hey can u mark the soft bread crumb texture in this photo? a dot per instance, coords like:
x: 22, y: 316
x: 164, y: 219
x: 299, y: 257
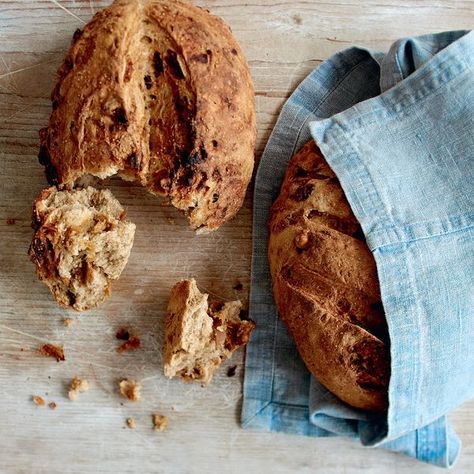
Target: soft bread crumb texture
x: 81, y: 243
x: 131, y: 423
x: 130, y: 389
x: 199, y: 336
x: 77, y: 386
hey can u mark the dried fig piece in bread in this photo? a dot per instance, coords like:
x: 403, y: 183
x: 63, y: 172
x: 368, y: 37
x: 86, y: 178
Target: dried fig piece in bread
x: 199, y: 336
x: 159, y: 93
x: 325, y: 284
x: 81, y: 243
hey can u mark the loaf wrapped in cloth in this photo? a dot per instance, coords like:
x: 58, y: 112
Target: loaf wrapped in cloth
x: 397, y: 130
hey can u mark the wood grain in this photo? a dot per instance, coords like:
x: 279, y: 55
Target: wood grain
x: 283, y: 40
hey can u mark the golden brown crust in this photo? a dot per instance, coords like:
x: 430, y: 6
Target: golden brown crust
x: 325, y: 283
x: 159, y: 92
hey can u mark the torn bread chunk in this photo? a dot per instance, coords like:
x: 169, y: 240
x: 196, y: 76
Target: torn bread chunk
x: 199, y: 336
x: 81, y: 243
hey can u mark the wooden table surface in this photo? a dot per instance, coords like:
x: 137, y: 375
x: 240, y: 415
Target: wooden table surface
x: 283, y: 41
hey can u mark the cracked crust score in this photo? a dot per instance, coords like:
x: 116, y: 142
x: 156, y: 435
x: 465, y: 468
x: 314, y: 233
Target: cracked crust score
x: 160, y: 93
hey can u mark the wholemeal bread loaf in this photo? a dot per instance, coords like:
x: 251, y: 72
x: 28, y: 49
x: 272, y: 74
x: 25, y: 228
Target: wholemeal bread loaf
x: 159, y: 93
x: 81, y: 243
x: 325, y: 284
x: 199, y: 336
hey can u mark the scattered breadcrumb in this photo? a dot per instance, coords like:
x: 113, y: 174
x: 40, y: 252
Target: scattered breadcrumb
x: 52, y: 405
x: 50, y: 350
x: 77, y: 386
x: 238, y: 286
x: 131, y: 423
x: 11, y: 221
x: 68, y: 322
x: 231, y: 371
x: 130, y: 345
x: 130, y: 389
x: 37, y: 400
x: 160, y: 422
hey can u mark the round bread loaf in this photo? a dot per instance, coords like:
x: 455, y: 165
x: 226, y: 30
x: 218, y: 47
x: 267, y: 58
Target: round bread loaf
x: 325, y: 284
x: 159, y: 93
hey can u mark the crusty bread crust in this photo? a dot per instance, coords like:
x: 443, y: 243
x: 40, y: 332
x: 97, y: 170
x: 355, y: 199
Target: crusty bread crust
x: 325, y: 283
x: 160, y: 93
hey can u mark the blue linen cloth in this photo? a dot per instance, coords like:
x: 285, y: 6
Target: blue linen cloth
x: 397, y: 129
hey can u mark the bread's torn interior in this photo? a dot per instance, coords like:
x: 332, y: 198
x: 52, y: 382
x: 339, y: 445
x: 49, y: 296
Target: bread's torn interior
x: 81, y: 242
x: 199, y: 336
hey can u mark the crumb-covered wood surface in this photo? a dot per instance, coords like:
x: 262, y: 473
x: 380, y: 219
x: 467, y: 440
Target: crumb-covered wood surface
x: 283, y: 42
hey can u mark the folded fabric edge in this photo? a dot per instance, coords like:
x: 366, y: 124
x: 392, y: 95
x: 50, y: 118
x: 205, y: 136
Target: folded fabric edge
x: 274, y: 416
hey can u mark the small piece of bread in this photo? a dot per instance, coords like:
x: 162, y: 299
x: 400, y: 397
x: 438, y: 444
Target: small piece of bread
x: 131, y: 423
x: 77, y: 386
x: 130, y: 389
x: 37, y: 400
x: 199, y: 336
x: 160, y: 422
x: 81, y: 242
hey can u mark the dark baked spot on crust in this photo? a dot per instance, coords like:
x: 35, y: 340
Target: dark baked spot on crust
x: 38, y: 250
x: 215, y: 143
x: 51, y: 175
x: 158, y: 66
x: 303, y: 192
x: 215, y: 197
x: 148, y: 82
x: 134, y: 161
x: 120, y: 116
x: 234, y: 51
x: 370, y: 361
x: 77, y: 34
x: 171, y: 60
x: 200, y: 58
x: 128, y: 72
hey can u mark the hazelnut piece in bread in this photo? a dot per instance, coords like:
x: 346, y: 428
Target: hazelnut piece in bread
x: 325, y: 284
x: 158, y: 92
x: 199, y: 336
x: 81, y: 243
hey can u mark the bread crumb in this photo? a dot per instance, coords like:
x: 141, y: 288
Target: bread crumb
x: 37, y: 400
x: 130, y: 345
x: 68, y: 322
x: 77, y: 386
x: 131, y: 423
x: 238, y: 286
x: 160, y: 422
x: 52, y: 405
x: 130, y: 389
x: 50, y: 350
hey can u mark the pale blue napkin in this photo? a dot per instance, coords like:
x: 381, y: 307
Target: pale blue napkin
x: 398, y: 130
